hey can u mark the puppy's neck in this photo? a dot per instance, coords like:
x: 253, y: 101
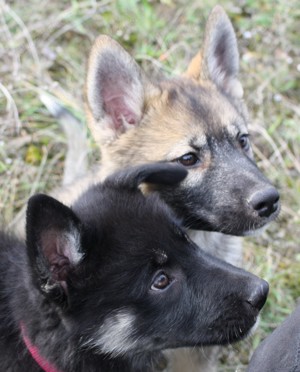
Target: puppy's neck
x: 35, y: 353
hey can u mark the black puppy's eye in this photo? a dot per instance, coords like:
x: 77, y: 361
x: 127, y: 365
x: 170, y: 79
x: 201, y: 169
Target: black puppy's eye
x: 188, y: 159
x: 161, y: 281
x: 244, y: 141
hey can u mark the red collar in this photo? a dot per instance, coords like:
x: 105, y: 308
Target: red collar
x: 34, y: 351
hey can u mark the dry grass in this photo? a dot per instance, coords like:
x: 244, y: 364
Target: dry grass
x: 44, y: 46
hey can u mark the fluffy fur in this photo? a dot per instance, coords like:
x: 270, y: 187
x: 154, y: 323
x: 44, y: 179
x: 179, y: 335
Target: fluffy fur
x: 106, y: 285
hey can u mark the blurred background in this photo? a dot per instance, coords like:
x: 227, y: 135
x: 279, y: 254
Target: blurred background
x: 44, y: 47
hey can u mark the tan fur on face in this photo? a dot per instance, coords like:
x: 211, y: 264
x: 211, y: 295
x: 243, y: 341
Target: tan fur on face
x: 183, y: 112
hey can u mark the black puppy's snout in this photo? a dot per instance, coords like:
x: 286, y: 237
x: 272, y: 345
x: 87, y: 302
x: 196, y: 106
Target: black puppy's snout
x: 259, y: 294
x: 265, y: 202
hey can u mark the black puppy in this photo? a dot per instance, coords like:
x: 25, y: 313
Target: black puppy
x: 106, y: 285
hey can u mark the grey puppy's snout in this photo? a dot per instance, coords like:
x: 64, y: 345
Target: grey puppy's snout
x: 265, y: 202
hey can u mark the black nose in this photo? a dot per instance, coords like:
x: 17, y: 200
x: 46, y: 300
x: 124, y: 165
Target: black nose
x: 258, y: 296
x: 265, y: 202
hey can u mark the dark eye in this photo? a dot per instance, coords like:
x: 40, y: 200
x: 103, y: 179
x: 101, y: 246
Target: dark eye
x: 188, y: 159
x: 244, y: 141
x: 161, y: 281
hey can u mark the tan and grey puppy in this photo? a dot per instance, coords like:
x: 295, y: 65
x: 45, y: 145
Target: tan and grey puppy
x: 199, y: 120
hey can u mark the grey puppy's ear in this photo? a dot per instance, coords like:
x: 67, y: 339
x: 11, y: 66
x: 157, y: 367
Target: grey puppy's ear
x: 218, y: 60
x: 114, y: 90
x: 166, y: 174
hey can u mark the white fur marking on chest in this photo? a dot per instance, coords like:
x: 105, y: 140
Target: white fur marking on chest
x: 114, y: 335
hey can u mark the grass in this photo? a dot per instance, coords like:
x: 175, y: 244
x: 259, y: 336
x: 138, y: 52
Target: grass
x: 44, y: 46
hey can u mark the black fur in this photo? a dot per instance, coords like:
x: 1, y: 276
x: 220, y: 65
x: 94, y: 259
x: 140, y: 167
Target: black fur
x: 85, y: 287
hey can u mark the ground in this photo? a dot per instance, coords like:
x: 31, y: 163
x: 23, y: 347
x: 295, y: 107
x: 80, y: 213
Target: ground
x: 44, y: 47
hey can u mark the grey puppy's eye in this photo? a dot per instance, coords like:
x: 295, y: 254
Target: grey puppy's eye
x: 188, y: 159
x: 244, y: 141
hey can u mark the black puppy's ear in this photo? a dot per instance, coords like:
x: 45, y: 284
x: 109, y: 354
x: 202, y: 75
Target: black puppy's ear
x: 167, y: 174
x: 53, y: 235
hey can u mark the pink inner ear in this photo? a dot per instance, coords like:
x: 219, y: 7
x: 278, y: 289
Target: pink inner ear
x: 115, y: 106
x: 59, y: 268
x: 59, y: 263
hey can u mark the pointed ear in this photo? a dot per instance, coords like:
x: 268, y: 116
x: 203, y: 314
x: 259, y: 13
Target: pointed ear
x: 53, y: 236
x: 114, y: 90
x: 218, y: 60
x: 167, y: 174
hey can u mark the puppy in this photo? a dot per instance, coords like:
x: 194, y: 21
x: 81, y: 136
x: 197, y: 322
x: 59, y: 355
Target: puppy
x: 111, y: 282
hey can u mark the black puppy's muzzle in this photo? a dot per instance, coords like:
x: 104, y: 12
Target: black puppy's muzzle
x: 258, y: 294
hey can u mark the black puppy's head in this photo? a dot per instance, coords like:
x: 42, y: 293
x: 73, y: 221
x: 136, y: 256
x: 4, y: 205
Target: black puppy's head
x: 125, y: 276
